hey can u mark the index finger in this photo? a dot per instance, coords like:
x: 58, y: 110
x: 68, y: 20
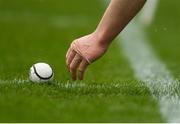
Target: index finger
x: 82, y: 69
x: 74, y: 65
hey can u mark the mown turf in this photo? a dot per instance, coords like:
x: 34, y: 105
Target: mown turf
x: 164, y: 34
x: 41, y: 31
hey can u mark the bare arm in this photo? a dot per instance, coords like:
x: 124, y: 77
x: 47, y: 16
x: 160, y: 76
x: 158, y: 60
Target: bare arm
x: 89, y: 48
x: 117, y: 16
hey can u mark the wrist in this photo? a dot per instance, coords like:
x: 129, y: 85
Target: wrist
x: 101, y: 38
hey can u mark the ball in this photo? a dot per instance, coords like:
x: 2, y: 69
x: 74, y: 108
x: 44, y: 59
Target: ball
x: 41, y: 73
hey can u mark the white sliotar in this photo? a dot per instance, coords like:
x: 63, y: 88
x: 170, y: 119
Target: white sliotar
x: 41, y: 73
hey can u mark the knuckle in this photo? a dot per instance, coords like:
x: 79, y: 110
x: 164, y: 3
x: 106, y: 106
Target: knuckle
x: 72, y: 67
x: 77, y: 59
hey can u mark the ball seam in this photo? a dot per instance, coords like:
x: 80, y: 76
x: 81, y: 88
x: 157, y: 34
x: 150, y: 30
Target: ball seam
x: 43, y: 78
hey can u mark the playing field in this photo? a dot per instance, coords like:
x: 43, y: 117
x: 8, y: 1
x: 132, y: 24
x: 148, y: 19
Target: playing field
x: 127, y: 85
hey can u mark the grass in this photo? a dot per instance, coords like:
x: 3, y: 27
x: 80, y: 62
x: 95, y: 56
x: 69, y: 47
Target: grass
x: 41, y: 31
x: 165, y: 35
x: 75, y: 102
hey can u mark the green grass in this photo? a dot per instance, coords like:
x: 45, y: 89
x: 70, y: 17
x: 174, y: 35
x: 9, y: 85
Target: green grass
x: 164, y: 34
x: 40, y: 31
x: 76, y: 102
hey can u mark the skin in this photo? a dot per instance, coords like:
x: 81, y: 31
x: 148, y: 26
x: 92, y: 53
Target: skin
x: 87, y: 49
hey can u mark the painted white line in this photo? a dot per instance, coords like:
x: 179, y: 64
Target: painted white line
x: 148, y: 68
x: 15, y: 81
x: 72, y: 85
x: 148, y: 12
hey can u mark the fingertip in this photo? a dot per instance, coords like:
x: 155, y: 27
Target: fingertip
x: 74, y: 78
x: 80, y: 75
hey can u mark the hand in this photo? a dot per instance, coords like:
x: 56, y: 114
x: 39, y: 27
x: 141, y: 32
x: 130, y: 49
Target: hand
x: 82, y: 52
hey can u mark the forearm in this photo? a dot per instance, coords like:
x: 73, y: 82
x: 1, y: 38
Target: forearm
x: 87, y: 49
x: 118, y: 14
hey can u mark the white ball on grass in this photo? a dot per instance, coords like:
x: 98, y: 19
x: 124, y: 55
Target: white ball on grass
x: 41, y: 73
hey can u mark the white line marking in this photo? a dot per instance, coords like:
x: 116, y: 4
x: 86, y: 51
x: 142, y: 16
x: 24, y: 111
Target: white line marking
x: 15, y: 81
x: 151, y: 70
x: 70, y: 85
x: 148, y: 12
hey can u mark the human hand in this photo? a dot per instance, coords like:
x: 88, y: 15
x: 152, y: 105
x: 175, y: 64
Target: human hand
x: 82, y: 52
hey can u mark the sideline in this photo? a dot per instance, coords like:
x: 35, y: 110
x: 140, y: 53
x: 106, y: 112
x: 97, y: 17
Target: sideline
x: 149, y: 69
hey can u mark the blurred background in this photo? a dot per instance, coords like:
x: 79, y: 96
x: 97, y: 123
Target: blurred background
x: 41, y: 30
